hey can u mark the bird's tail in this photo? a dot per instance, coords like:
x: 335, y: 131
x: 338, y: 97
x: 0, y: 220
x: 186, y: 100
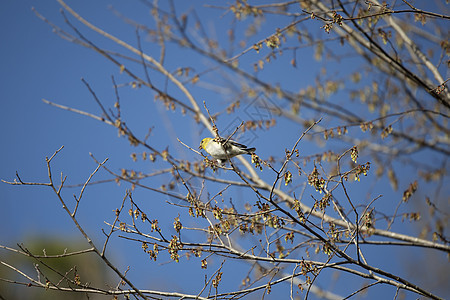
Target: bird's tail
x: 250, y: 150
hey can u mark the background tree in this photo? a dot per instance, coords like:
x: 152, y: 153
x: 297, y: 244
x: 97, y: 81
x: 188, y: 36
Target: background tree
x: 351, y: 162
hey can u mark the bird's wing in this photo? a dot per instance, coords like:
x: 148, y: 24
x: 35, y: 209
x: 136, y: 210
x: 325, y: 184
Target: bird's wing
x: 234, y: 143
x: 231, y: 143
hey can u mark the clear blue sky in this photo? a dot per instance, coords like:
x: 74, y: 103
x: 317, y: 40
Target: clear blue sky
x: 37, y: 64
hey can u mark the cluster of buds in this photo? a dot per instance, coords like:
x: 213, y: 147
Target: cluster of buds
x: 315, y: 181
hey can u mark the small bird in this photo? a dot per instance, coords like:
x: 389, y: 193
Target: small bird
x: 223, y: 152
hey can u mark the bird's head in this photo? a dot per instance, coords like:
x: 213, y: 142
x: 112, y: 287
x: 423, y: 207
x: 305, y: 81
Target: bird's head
x: 204, y: 142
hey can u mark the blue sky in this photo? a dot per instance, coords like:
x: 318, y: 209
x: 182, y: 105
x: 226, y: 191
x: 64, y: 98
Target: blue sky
x: 37, y: 64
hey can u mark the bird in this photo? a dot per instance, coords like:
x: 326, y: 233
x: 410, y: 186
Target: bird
x: 222, y: 150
